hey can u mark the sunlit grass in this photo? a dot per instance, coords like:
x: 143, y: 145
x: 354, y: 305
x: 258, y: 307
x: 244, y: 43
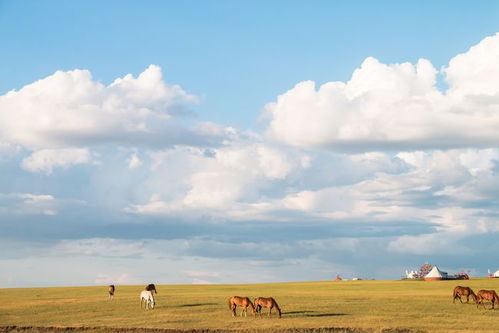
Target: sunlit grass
x: 357, y: 304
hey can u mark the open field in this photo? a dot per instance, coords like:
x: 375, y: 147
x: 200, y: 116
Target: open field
x: 365, y: 305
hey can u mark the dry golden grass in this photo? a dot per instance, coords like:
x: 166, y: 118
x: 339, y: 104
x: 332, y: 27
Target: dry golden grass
x: 370, y: 305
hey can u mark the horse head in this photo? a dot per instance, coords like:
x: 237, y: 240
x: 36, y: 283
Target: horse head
x: 473, y: 295
x: 256, y: 305
x: 252, y: 306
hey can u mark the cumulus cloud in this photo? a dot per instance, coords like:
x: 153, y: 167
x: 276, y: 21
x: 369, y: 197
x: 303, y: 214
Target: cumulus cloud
x: 46, y: 160
x: 215, y: 180
x: 69, y: 109
x: 29, y: 203
x: 396, y: 106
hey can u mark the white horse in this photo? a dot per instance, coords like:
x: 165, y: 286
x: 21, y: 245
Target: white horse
x: 147, y: 299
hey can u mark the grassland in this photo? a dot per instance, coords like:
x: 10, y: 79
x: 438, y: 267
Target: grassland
x: 374, y: 306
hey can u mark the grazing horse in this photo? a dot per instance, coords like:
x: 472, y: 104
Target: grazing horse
x: 463, y: 291
x: 147, y: 299
x: 243, y: 302
x: 266, y: 302
x: 151, y: 287
x: 489, y: 295
x: 111, y: 291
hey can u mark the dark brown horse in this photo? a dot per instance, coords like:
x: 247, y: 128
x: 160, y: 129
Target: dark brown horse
x: 151, y: 287
x: 463, y: 291
x: 266, y: 302
x: 111, y: 291
x: 488, y: 295
x: 243, y: 302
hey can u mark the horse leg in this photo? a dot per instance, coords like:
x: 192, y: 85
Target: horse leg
x: 468, y: 299
x: 270, y: 311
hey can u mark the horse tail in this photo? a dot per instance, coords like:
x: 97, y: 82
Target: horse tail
x: 454, y: 295
x: 230, y: 303
x: 496, y: 297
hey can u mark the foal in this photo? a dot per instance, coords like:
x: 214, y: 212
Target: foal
x: 244, y: 302
x: 111, y: 291
x: 266, y: 302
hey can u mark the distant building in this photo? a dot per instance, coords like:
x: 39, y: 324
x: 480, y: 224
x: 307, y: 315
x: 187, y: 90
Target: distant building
x: 411, y: 274
x: 436, y: 274
x: 494, y: 275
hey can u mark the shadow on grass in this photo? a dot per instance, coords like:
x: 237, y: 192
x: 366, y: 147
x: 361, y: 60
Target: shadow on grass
x: 312, y: 314
x: 194, y: 305
x: 326, y: 315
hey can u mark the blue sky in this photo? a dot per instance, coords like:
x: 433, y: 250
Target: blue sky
x: 354, y: 138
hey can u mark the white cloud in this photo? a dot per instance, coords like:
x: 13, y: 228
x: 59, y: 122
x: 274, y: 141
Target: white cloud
x: 396, y: 106
x: 28, y: 203
x: 200, y: 281
x: 444, y: 242
x: 201, y: 273
x: 105, y: 247
x: 134, y: 161
x: 123, y: 278
x: 46, y: 160
x: 476, y: 72
x: 70, y: 109
x: 196, y: 181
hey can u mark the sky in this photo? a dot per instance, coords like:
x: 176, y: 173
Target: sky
x: 202, y: 142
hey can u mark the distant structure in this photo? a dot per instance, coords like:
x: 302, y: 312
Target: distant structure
x: 337, y: 278
x: 423, y: 271
x: 432, y: 273
x: 493, y: 275
x: 436, y: 274
x: 411, y: 274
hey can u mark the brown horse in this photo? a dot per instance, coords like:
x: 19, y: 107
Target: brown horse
x: 244, y: 302
x: 111, y: 291
x: 463, y: 291
x: 266, y: 302
x: 488, y: 295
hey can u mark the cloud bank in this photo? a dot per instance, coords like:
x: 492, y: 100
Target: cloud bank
x: 370, y: 176
x: 70, y: 108
x: 396, y: 106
